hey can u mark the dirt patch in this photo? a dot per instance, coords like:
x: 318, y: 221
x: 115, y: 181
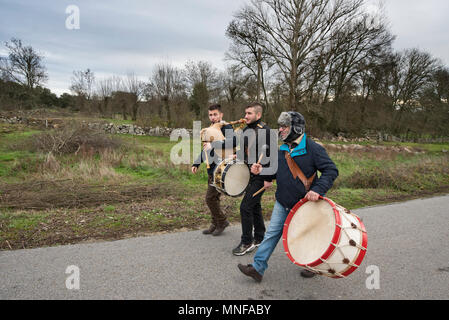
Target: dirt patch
x: 40, y: 195
x: 135, y: 218
x: 163, y: 211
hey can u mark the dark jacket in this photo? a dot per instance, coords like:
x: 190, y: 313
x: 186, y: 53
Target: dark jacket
x: 310, y: 157
x: 228, y: 132
x: 251, y: 145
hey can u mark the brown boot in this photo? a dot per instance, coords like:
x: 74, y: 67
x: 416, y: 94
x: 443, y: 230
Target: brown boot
x: 249, y: 271
x: 220, y: 228
x: 210, y: 230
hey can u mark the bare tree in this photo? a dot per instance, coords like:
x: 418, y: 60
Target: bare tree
x: 82, y: 83
x: 23, y: 64
x: 413, y: 69
x: 233, y: 82
x: 350, y: 50
x: 203, y: 84
x: 246, y: 51
x: 399, y: 79
x: 340, y: 66
x: 200, y: 71
x: 104, y: 89
x: 198, y: 76
x: 135, y: 87
x: 293, y: 31
x: 441, y: 83
x: 166, y: 84
x: 434, y: 105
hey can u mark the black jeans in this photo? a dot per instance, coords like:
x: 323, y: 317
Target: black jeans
x: 251, y: 212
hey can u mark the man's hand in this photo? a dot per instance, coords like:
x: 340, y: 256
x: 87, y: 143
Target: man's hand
x: 267, y: 184
x: 312, y: 196
x: 207, y: 146
x: 256, y: 168
x: 194, y: 169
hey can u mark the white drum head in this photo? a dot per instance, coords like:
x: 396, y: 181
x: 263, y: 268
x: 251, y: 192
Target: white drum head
x: 236, y: 179
x: 310, y: 231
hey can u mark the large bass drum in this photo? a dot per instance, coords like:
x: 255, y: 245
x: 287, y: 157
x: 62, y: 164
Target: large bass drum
x: 325, y: 238
x: 231, y: 177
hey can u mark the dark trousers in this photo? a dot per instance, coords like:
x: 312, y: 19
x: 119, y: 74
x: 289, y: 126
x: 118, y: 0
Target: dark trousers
x: 213, y: 202
x: 251, y: 212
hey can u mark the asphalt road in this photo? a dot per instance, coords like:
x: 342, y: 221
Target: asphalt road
x: 407, y: 249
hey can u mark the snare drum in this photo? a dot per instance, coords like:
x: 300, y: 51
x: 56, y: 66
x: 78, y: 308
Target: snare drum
x: 231, y: 177
x: 325, y: 238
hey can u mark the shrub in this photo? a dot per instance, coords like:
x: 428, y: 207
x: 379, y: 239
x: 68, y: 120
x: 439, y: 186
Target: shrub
x: 72, y: 139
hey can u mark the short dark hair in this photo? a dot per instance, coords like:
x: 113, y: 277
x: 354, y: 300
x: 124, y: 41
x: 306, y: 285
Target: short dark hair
x: 258, y: 107
x: 215, y: 107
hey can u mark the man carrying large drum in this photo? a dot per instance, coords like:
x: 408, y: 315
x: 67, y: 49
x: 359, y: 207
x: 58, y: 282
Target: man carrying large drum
x: 299, y: 159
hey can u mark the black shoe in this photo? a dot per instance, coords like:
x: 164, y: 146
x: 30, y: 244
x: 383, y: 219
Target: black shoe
x: 243, y: 248
x: 307, y: 274
x: 220, y: 228
x: 210, y: 230
x: 249, y: 271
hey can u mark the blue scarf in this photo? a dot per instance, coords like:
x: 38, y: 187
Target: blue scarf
x: 299, y: 150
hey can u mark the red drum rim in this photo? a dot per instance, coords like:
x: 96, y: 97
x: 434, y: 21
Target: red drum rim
x: 334, y: 242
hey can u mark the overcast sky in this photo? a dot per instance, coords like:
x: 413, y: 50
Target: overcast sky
x: 116, y: 37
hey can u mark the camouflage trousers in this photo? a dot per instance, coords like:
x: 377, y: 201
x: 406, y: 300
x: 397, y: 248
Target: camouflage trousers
x: 213, y: 202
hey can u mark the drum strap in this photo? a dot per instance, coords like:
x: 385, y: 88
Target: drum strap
x: 297, y: 172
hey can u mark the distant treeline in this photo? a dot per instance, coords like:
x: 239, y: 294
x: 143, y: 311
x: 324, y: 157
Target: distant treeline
x: 330, y: 60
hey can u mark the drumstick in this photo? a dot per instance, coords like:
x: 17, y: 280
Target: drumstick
x: 260, y: 158
x: 264, y: 148
x: 207, y: 160
x: 262, y: 189
x: 258, y: 162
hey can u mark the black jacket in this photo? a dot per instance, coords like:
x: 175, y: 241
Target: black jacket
x: 310, y: 157
x: 252, y: 144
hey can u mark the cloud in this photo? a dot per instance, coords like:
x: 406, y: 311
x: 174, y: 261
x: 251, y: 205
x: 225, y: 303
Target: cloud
x: 116, y: 36
x: 421, y: 24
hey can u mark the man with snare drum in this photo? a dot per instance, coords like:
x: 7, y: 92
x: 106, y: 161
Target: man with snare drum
x: 218, y: 217
x: 254, y: 145
x: 299, y: 159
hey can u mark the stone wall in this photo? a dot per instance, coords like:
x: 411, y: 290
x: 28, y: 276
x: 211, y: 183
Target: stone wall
x: 136, y: 130
x: 34, y: 122
x: 166, y: 132
x: 107, y: 127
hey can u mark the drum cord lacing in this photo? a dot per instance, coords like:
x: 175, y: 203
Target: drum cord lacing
x: 351, y: 243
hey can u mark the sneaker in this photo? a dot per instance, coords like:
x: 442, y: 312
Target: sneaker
x: 243, y: 248
x: 220, y: 229
x: 210, y: 230
x: 249, y: 271
x: 257, y: 243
